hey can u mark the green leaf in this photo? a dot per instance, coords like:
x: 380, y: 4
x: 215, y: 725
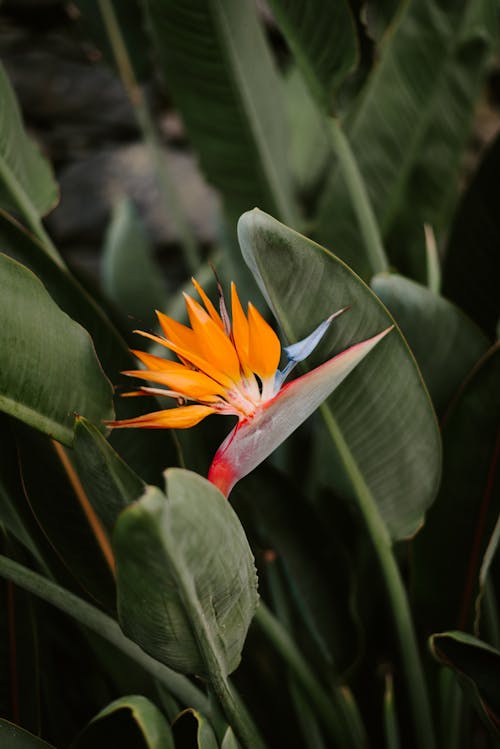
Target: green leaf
x: 310, y: 149
x: 15, y: 737
x: 187, y: 588
x: 478, y: 668
x: 219, y: 70
x: 147, y: 451
x: 62, y: 512
x: 25, y: 176
x: 205, y: 736
x: 131, y: 277
x: 132, y: 722
x: 466, y: 510
x: 409, y: 129
x: 52, y: 371
x: 322, y: 37
x: 109, y: 482
x: 472, y: 260
x: 446, y: 344
x: 380, y: 420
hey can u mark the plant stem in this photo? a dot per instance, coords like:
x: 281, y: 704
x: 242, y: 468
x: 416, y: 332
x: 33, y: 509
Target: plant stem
x: 106, y: 627
x: 400, y: 609
x: 149, y: 132
x: 359, y: 198
x: 390, y: 719
x: 235, y: 712
x: 330, y: 709
x: 451, y: 710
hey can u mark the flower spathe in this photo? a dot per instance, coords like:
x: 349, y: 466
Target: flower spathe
x: 231, y: 366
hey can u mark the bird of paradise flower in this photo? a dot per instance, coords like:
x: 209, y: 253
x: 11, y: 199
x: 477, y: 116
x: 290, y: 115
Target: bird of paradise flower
x: 230, y: 365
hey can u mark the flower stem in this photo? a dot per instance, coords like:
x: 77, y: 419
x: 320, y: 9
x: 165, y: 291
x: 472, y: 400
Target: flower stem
x: 359, y: 198
x: 400, y: 609
x: 329, y: 707
x: 106, y: 627
x: 149, y: 132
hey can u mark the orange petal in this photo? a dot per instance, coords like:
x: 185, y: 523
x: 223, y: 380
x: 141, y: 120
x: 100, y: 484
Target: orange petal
x: 152, y: 362
x: 264, y: 346
x: 181, y: 417
x: 184, y: 381
x: 197, y: 361
x: 213, y: 343
x: 240, y: 329
x: 208, y: 304
x: 178, y: 333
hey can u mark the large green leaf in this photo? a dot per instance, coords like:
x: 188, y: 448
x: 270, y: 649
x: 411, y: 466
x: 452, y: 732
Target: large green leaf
x: 466, y: 510
x: 15, y: 737
x: 322, y: 37
x: 186, y: 579
x: 445, y: 342
x: 472, y: 260
x: 132, y: 722
x: 478, y: 668
x: 380, y: 420
x: 131, y: 277
x: 51, y: 371
x: 219, y: 70
x: 148, y: 451
x: 25, y: 176
x: 409, y: 129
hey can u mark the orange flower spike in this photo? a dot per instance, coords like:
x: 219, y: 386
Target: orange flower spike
x: 240, y: 330
x: 186, y: 382
x: 181, y: 417
x: 178, y: 333
x: 264, y: 346
x: 208, y: 304
x: 214, y: 344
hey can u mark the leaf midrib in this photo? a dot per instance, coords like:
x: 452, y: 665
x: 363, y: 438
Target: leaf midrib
x: 267, y: 163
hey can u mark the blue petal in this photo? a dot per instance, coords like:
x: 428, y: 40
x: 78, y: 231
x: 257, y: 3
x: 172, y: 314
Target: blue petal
x: 299, y: 351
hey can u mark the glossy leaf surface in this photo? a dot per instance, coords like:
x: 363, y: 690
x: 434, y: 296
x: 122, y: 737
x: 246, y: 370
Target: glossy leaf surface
x: 381, y: 419
x: 187, y: 588
x: 52, y: 371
